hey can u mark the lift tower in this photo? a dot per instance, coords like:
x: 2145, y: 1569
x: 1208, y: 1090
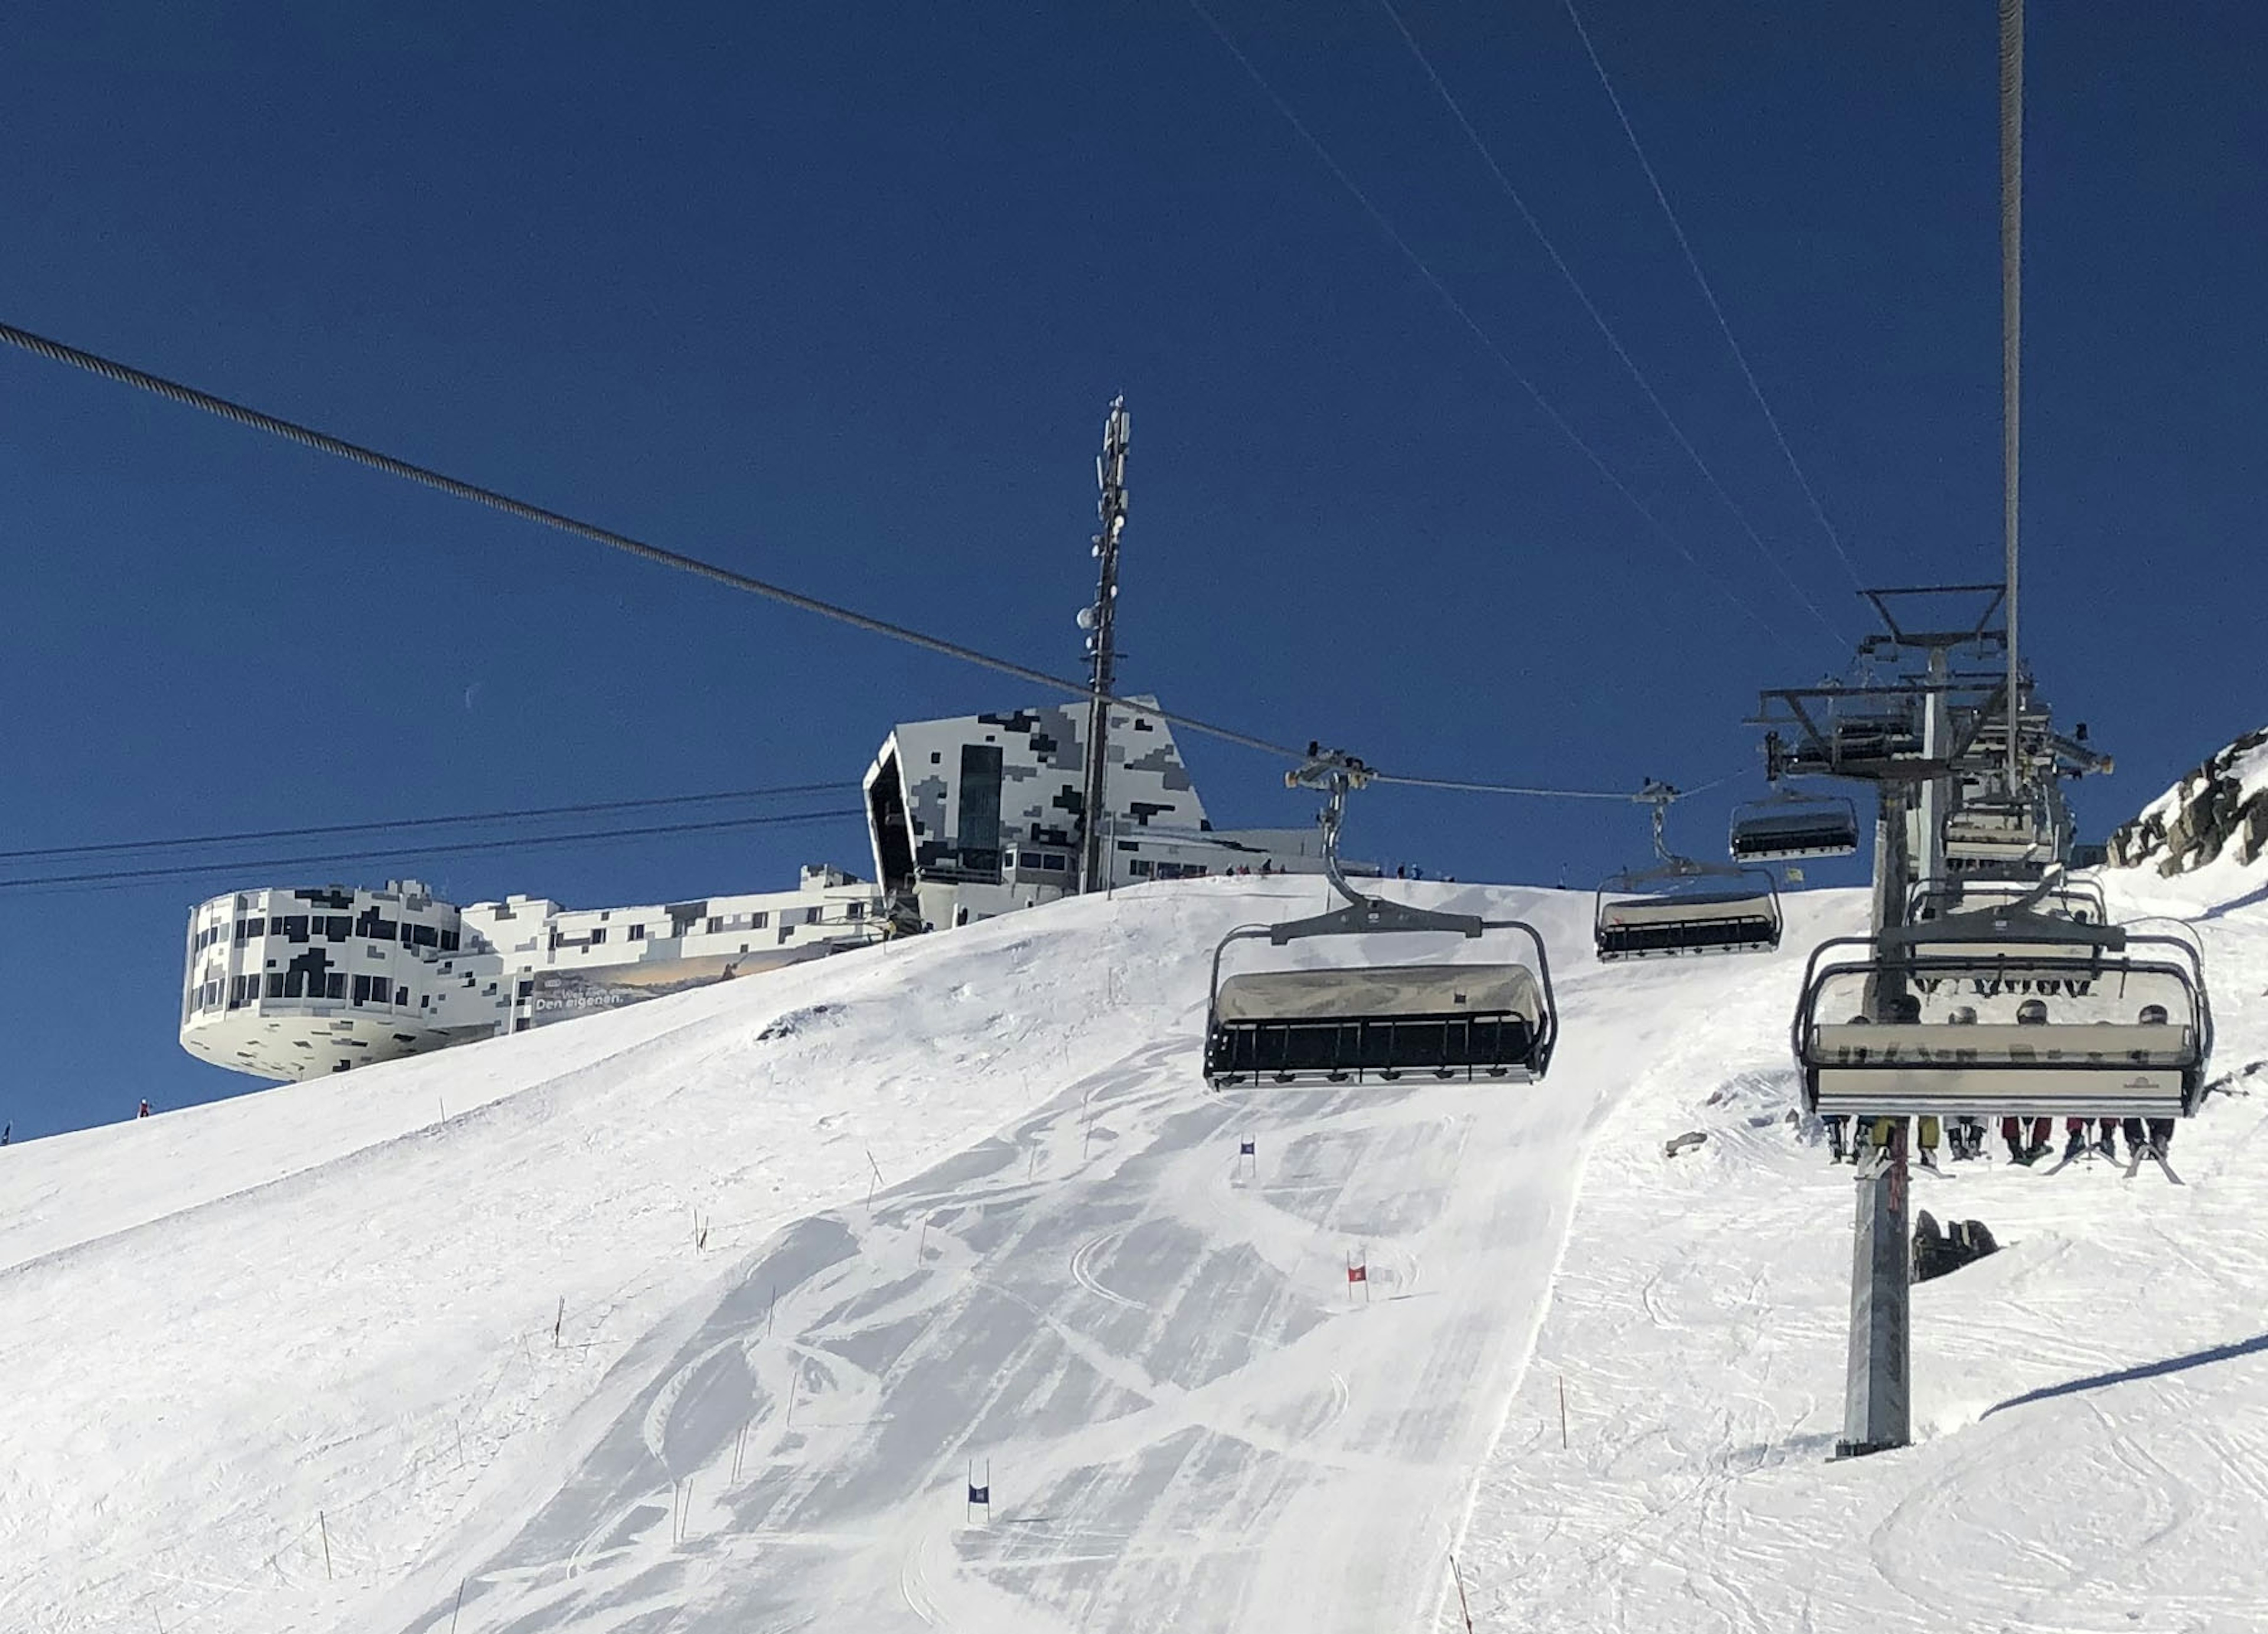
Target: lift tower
x: 1100, y: 621
x: 1914, y: 736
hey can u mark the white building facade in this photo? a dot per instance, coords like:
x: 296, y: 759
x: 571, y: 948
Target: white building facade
x: 294, y: 984
x: 967, y: 818
x: 980, y: 815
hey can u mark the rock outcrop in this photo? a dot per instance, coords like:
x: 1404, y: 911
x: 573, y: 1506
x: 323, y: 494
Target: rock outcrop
x: 2221, y: 807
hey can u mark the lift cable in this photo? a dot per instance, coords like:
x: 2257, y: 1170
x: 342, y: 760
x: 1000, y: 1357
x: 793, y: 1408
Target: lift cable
x: 1605, y: 331
x: 1623, y: 795
x: 1716, y: 311
x: 1543, y: 404
x: 324, y: 443
x: 2012, y: 297
x: 451, y: 848
x: 584, y: 810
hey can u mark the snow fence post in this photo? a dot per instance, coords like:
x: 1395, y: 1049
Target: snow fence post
x: 1464, y: 1606
x: 325, y: 1527
x: 460, y: 1605
x: 1562, y: 1412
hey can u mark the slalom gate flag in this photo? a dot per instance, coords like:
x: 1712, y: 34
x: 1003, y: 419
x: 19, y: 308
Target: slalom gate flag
x: 1244, y: 1147
x: 980, y: 1495
x: 1358, y: 1273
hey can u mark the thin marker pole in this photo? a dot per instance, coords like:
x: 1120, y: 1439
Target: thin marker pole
x: 1562, y: 1412
x: 459, y: 1606
x: 326, y: 1529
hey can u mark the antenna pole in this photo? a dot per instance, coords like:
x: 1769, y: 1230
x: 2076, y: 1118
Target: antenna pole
x: 2011, y: 262
x: 1100, y: 623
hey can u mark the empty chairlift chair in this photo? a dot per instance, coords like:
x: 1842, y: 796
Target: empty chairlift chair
x: 2000, y: 833
x: 1681, y: 906
x: 2004, y: 1012
x: 1788, y: 827
x: 1338, y: 1024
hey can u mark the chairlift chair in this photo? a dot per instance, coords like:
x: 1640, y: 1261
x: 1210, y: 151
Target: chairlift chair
x: 1350, y: 1024
x: 2059, y: 896
x: 1681, y: 906
x: 2004, y: 1011
x: 1785, y: 827
x: 2000, y: 832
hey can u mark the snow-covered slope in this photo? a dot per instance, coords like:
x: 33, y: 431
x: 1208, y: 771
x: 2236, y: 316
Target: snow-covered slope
x: 329, y: 1300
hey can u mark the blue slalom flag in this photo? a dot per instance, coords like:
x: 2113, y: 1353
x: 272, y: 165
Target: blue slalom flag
x: 1244, y: 1147
x: 980, y: 1495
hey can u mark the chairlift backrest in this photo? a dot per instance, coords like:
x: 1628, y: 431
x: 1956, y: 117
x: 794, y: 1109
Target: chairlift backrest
x: 2053, y: 1017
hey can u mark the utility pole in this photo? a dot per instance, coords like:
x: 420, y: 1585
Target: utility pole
x: 1100, y: 621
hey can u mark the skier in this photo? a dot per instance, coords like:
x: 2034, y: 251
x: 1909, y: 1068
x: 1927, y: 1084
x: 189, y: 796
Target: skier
x: 2161, y: 1130
x: 1967, y: 1140
x: 144, y: 1112
x: 2031, y: 1013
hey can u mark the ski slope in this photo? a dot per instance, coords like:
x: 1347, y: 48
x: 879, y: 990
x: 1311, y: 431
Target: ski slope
x: 449, y: 1320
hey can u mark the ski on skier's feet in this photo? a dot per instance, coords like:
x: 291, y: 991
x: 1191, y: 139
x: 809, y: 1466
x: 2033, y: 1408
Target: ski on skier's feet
x: 2159, y: 1158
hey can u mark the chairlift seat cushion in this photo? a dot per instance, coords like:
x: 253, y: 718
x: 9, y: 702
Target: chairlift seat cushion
x: 1329, y: 994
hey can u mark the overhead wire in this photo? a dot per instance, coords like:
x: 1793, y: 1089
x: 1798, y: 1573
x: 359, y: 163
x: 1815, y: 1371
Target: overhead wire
x: 584, y: 809
x: 1544, y: 406
x: 1716, y: 308
x: 1605, y: 331
x: 2012, y: 325
x: 99, y: 878
x: 323, y: 442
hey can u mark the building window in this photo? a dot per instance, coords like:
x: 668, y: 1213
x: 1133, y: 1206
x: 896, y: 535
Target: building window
x: 275, y: 985
x: 598, y: 936
x: 1139, y: 867
x: 716, y: 923
x: 757, y: 922
x: 855, y: 910
x: 449, y: 941
x: 401, y: 996
x: 811, y: 915
x: 637, y: 933
x: 978, y: 825
x: 337, y: 927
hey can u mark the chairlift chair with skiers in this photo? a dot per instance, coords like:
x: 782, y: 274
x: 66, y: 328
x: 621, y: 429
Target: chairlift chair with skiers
x: 1680, y: 907
x: 2004, y: 1011
x: 1339, y: 1024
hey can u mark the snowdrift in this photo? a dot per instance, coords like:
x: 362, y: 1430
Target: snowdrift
x: 600, y: 1327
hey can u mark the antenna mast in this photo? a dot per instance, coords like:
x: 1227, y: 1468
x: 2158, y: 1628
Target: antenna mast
x: 1100, y: 621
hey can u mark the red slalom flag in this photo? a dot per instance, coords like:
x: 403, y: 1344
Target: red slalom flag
x: 1358, y: 1273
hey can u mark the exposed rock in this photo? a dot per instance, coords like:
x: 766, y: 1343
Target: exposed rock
x: 1686, y: 1141
x: 2210, y: 811
x: 1936, y: 1252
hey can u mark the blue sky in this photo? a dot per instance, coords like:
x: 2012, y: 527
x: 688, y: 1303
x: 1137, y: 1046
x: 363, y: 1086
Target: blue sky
x: 837, y: 295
